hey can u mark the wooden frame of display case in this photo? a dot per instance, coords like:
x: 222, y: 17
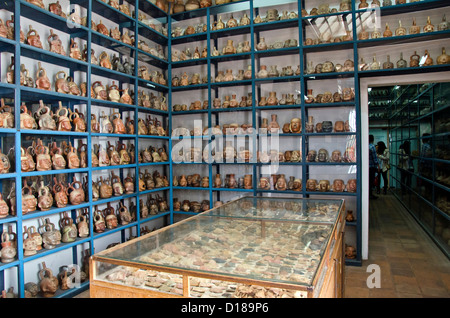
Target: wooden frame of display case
x: 328, y: 280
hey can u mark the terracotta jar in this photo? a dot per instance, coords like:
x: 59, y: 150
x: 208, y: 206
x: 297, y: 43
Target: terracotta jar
x: 414, y: 29
x: 387, y: 32
x: 263, y: 73
x: 388, y: 64
x: 60, y: 194
x: 295, y: 126
x: 441, y: 27
x: 261, y: 46
x: 55, y: 43
x: 414, y: 60
x: 76, y: 195
x: 274, y: 127
x: 8, y: 251
x: 33, y: 38
x: 42, y: 81
x: 61, y: 84
x: 444, y: 58
x: 272, y: 99
x: 428, y: 27
x: 99, y: 222
x: 83, y: 225
x: 192, y: 5
x: 55, y: 8
x: 45, y: 199
x: 350, y: 216
x: 48, y: 283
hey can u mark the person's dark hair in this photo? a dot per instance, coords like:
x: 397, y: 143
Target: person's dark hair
x: 371, y: 138
x: 406, y: 147
x: 381, y: 147
x: 426, y: 137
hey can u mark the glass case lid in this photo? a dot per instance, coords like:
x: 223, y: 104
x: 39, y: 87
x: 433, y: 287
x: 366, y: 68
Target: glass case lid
x: 264, y: 239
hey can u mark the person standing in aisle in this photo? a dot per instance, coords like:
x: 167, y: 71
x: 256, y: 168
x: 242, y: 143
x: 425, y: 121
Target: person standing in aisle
x: 374, y: 166
x: 383, y: 157
x: 425, y: 153
x: 405, y: 165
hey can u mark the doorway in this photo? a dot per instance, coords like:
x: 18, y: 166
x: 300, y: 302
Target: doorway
x: 376, y: 82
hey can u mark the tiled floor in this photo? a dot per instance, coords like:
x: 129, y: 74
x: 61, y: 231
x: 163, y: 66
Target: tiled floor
x: 411, y: 265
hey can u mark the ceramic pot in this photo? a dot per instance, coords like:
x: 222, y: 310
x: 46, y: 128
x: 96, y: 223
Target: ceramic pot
x: 444, y: 58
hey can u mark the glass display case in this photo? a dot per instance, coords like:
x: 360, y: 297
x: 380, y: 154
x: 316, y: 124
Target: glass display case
x: 250, y: 247
x: 419, y: 156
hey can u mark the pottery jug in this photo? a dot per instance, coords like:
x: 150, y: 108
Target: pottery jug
x: 401, y: 63
x: 444, y: 58
x: 83, y: 225
x: 8, y: 251
x: 76, y: 194
x: 428, y: 27
x: 414, y: 60
x: 42, y: 81
x: 48, y: 283
x: 50, y: 236
x: 443, y: 25
x: 99, y: 222
x: 414, y: 29
x: 55, y: 43
x: 60, y: 194
x: 33, y: 38
x: 68, y: 229
x: 45, y: 199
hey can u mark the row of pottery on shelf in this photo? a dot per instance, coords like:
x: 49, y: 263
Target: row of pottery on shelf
x: 40, y: 157
x: 67, y: 278
x: 364, y: 34
x: 415, y: 61
x: 44, y: 196
x: 150, y: 181
x: 110, y: 218
x: 190, y: 206
x: 230, y: 181
x: 153, y: 206
x: 149, y: 126
x: 106, y: 188
x: 62, y: 119
x: 179, y: 6
x: 56, y: 8
x: 152, y: 154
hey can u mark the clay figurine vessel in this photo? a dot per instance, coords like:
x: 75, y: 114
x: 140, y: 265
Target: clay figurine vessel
x: 441, y: 27
x: 42, y: 81
x: 178, y: 6
x: 8, y: 251
x: 414, y: 29
x: 76, y: 195
x: 387, y: 32
x: 55, y: 8
x: 428, y: 27
x: 3, y: 29
x: 48, y: 283
x: 55, y: 43
x: 33, y: 38
x: 192, y: 5
x: 444, y: 58
x: 61, y: 84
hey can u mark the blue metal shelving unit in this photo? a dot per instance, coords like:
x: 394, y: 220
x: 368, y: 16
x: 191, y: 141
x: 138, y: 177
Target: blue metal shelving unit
x: 21, y: 8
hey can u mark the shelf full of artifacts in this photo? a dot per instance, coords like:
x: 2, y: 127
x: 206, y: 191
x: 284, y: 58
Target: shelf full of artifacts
x: 235, y: 74
x: 83, y: 137
x: 192, y: 258
x: 420, y: 132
